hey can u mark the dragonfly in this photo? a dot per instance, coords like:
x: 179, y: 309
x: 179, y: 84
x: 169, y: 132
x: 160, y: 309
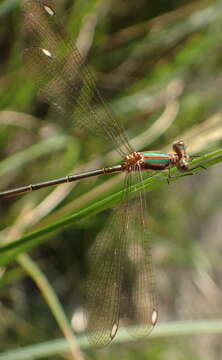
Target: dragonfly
x: 120, y: 287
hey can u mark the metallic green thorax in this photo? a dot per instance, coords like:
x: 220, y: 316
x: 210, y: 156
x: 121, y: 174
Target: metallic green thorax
x: 155, y: 160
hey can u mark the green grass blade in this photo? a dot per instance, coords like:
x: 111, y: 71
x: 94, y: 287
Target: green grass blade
x: 171, y: 329
x: 37, y: 237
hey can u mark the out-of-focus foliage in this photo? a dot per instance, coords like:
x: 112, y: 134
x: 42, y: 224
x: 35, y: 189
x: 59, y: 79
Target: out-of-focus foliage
x: 159, y: 64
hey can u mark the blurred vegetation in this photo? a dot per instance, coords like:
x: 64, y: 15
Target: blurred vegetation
x: 159, y: 64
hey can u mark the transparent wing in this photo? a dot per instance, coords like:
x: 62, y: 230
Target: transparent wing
x: 138, y: 300
x: 120, y: 286
x: 104, y: 283
x: 65, y: 81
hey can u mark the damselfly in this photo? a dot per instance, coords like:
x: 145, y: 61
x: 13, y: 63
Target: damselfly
x: 120, y: 283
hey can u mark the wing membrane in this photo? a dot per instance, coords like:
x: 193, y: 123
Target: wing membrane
x: 66, y: 82
x: 104, y: 284
x: 120, y: 288
x: 140, y: 308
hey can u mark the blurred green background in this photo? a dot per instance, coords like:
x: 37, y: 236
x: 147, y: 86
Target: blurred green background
x: 159, y: 65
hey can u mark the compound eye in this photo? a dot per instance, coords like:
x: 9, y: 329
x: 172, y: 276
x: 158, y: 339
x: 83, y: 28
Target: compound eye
x: 178, y: 146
